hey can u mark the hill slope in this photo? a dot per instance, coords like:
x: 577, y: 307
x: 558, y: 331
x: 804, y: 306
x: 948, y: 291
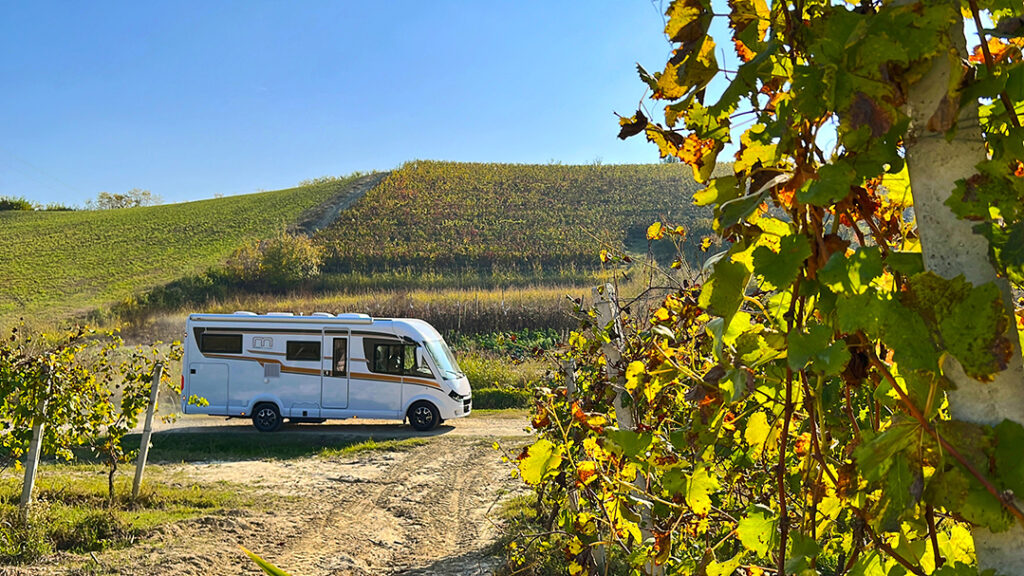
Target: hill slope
x: 444, y: 216
x: 444, y: 219
x: 55, y: 264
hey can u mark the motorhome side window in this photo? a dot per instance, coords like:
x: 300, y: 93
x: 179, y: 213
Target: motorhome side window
x: 340, y: 357
x: 415, y: 362
x: 397, y: 358
x: 221, y: 343
x: 387, y: 357
x: 307, y: 350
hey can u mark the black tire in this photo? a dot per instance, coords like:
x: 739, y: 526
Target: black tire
x: 266, y: 417
x: 423, y: 416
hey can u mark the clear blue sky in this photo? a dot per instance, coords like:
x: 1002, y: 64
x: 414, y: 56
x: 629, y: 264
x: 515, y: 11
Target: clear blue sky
x: 193, y: 98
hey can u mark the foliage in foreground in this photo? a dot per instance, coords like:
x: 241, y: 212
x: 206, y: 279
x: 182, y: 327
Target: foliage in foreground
x: 791, y: 413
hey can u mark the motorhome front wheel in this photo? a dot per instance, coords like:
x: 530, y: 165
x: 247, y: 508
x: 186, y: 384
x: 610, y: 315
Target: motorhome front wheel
x: 424, y: 416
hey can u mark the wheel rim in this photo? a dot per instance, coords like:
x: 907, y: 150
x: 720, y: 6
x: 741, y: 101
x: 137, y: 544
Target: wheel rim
x: 422, y: 416
x: 266, y: 418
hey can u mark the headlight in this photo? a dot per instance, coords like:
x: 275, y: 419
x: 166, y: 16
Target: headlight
x: 455, y: 396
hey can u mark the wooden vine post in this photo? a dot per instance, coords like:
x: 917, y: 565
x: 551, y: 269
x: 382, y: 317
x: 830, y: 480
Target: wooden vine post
x: 951, y: 248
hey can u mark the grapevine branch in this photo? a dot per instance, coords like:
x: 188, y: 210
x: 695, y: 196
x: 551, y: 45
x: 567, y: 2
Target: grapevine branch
x: 927, y: 427
x: 990, y: 64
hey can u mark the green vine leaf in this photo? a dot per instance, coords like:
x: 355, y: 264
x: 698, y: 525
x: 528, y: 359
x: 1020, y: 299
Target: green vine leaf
x: 757, y: 530
x: 722, y: 294
x: 780, y: 269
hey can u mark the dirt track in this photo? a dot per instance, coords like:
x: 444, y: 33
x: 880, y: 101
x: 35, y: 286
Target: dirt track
x: 420, y: 512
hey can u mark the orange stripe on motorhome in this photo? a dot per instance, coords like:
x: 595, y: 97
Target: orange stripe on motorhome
x: 262, y: 361
x: 395, y: 379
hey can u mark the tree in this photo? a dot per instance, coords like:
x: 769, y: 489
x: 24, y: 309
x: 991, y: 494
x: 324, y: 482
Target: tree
x: 829, y: 399
x: 131, y: 199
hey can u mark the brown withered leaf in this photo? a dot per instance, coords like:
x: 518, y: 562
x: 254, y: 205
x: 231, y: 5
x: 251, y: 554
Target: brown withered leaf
x: 944, y: 117
x: 632, y: 126
x: 865, y: 111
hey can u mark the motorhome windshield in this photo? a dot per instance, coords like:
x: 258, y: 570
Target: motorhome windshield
x: 443, y: 358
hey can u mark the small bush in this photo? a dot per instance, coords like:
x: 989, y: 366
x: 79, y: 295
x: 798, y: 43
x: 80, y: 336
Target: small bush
x: 15, y: 203
x: 489, y: 370
x: 501, y: 398
x: 285, y: 261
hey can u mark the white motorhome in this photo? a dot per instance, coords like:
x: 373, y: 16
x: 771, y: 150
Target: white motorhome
x: 313, y: 368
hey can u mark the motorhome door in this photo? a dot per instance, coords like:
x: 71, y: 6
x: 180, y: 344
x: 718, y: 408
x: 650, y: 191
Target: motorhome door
x: 335, y: 372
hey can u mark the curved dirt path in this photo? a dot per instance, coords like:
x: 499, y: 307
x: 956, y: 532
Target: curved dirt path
x: 325, y: 214
x: 427, y: 511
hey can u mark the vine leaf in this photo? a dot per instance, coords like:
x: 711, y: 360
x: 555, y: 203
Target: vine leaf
x: 968, y: 321
x: 726, y: 568
x: 816, y: 345
x: 699, y: 488
x: 1009, y: 444
x: 875, y: 455
x: 832, y: 185
x: 757, y: 530
x: 896, y: 493
x: 628, y: 442
x: 853, y: 274
x: 542, y: 458
x: 780, y: 269
x: 688, y: 20
x: 802, y: 550
x: 722, y: 294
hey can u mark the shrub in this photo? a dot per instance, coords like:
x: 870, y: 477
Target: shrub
x: 282, y: 262
x: 501, y: 398
x: 15, y: 203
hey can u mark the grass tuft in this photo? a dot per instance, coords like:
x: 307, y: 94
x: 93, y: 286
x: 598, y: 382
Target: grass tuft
x: 372, y: 445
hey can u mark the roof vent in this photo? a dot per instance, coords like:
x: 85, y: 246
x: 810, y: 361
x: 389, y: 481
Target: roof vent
x: 322, y: 315
x: 280, y: 314
x: 356, y: 318
x: 244, y: 313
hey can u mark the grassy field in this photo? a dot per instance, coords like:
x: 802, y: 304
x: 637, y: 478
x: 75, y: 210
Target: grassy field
x: 72, y: 512
x: 56, y: 264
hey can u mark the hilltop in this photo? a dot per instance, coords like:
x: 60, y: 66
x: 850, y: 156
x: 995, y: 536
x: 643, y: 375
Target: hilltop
x: 444, y: 220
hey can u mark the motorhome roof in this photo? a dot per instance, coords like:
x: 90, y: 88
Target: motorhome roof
x: 287, y: 317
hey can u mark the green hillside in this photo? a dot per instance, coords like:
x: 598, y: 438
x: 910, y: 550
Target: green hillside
x: 444, y: 216
x: 55, y: 264
x: 469, y: 224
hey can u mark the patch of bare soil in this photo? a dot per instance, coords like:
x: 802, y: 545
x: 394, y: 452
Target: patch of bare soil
x: 427, y: 511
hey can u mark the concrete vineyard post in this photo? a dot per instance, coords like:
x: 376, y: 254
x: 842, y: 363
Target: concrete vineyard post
x: 608, y: 314
x: 951, y: 248
x: 34, y: 450
x: 147, y: 430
